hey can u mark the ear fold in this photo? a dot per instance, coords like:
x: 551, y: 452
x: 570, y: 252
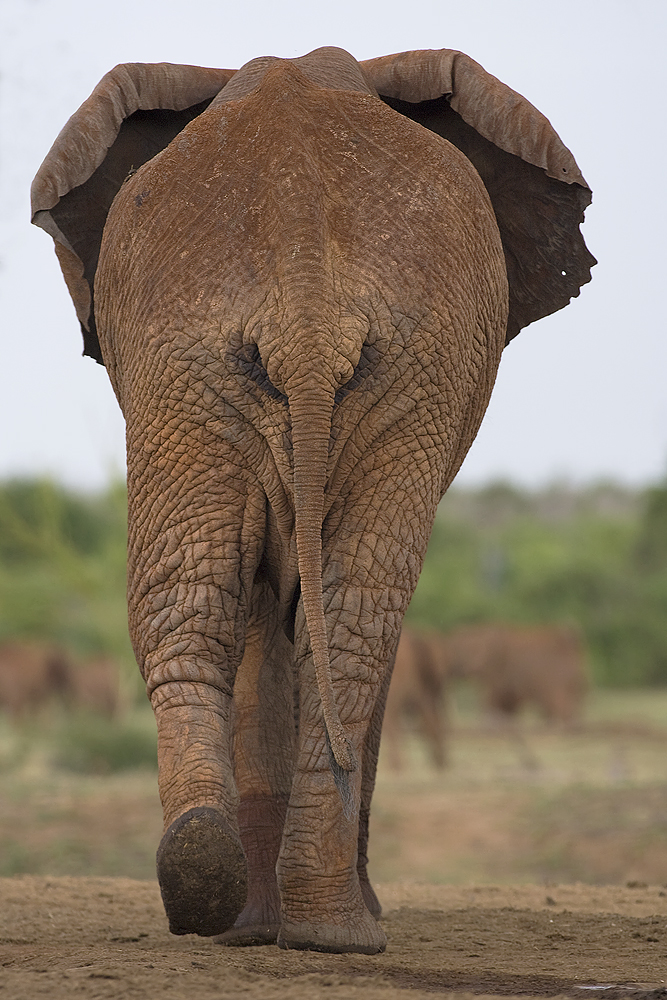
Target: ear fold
x: 133, y: 113
x: 536, y: 189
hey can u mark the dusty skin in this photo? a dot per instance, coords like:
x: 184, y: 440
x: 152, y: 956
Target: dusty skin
x: 102, y: 937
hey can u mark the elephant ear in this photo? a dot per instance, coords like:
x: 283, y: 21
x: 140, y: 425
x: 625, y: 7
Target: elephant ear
x: 133, y: 113
x: 535, y: 186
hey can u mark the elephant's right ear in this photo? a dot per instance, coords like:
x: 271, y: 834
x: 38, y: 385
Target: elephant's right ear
x: 535, y: 186
x: 133, y: 113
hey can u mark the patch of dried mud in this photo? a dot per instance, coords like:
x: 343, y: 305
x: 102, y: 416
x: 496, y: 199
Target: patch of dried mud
x: 107, y: 938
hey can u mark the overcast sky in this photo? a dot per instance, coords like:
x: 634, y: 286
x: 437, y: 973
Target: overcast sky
x: 580, y: 395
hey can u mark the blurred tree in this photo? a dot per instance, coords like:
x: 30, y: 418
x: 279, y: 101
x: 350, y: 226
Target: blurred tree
x: 62, y: 568
x: 652, y: 541
x: 558, y: 555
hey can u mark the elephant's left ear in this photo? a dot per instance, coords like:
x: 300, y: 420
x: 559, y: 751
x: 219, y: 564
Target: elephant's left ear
x: 535, y: 186
x: 133, y: 113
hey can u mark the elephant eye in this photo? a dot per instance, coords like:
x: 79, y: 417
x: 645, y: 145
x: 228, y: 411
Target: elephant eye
x: 249, y: 362
x: 367, y: 361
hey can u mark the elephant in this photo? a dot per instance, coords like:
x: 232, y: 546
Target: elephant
x: 95, y: 686
x: 300, y: 277
x: 418, y: 688
x: 32, y: 674
x: 542, y: 666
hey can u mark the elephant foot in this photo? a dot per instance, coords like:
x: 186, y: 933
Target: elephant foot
x: 249, y: 935
x: 261, y: 821
x: 363, y: 935
x: 369, y: 897
x: 202, y: 874
x: 258, y: 923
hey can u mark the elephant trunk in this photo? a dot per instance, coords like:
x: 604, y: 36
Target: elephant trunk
x: 310, y: 410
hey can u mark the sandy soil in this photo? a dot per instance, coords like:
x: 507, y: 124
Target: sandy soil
x: 525, y: 875
x: 100, y: 938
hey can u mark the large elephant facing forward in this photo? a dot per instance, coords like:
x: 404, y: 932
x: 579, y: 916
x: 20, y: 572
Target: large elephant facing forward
x: 300, y: 277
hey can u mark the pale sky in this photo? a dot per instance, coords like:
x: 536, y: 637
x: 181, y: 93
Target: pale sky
x: 580, y: 395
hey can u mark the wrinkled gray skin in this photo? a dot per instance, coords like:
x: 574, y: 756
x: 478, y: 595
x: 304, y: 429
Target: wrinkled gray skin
x: 301, y: 303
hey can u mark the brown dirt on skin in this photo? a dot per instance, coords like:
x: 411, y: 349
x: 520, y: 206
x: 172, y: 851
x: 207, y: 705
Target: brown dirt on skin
x: 96, y: 938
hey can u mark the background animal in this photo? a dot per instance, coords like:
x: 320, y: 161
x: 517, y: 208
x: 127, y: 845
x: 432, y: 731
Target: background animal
x: 93, y: 685
x: 300, y: 277
x: 540, y: 666
x: 418, y: 693
x: 32, y: 675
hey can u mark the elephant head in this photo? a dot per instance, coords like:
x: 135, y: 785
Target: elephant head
x: 300, y: 277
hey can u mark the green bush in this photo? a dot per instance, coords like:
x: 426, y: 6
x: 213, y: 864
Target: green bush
x: 63, y: 569
x: 594, y: 557
x: 89, y: 744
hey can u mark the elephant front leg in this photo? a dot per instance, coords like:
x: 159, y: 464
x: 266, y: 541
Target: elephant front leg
x: 371, y: 753
x: 264, y: 751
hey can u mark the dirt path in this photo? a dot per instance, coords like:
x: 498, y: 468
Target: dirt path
x: 106, y: 938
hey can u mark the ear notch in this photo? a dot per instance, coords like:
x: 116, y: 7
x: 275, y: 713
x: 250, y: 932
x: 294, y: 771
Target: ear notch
x: 133, y: 113
x: 536, y: 189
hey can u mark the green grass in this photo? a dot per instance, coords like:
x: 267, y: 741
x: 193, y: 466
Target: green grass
x: 90, y: 745
x: 80, y: 797
x: 80, y: 742
x: 533, y: 804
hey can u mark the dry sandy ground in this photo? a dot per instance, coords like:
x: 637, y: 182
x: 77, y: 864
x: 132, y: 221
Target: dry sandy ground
x: 101, y: 938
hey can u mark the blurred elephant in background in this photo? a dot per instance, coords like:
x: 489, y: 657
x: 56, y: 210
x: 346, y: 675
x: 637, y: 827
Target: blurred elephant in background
x: 300, y: 277
x: 32, y: 675
x: 94, y: 686
x: 537, y: 666
x: 418, y: 691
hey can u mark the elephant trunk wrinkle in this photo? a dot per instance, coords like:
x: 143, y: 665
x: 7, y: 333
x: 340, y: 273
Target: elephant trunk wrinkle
x: 311, y: 413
